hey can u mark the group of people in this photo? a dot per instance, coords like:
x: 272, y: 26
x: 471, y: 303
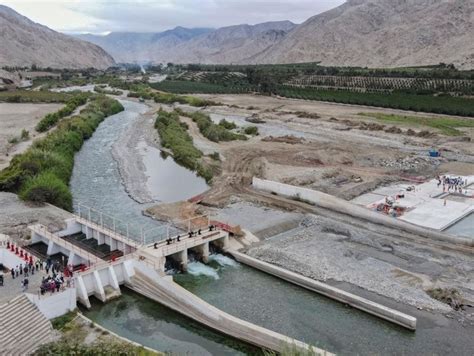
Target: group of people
x: 48, y: 283
x: 53, y: 283
x: 454, y: 184
x: 191, y: 234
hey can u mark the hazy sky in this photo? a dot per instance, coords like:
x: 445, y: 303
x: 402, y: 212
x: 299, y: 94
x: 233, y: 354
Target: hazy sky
x: 98, y: 16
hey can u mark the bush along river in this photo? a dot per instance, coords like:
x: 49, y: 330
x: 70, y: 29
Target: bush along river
x: 237, y: 289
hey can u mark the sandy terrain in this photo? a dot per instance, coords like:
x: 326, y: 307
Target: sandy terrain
x: 16, y: 215
x: 13, y: 119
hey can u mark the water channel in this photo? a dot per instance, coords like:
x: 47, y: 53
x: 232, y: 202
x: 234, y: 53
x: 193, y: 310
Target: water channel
x: 234, y: 288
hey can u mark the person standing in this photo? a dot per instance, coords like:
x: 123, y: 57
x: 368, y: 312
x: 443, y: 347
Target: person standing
x: 13, y: 273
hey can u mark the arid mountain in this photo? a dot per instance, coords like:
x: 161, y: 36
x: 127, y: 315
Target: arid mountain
x: 131, y: 47
x: 382, y: 33
x: 233, y: 44
x: 24, y: 43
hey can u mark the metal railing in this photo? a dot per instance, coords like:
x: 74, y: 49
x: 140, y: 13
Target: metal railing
x: 187, y: 242
x: 125, y: 231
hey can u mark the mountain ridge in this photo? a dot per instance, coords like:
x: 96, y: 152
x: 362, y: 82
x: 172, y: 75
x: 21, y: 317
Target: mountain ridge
x: 26, y: 43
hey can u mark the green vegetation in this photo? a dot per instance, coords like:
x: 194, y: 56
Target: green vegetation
x: 251, y: 130
x: 215, y: 156
x: 447, y: 125
x: 210, y: 130
x: 60, y: 322
x: 174, y: 136
x: 101, y: 89
x: 25, y: 135
x: 426, y: 103
x: 227, y: 124
x: 101, y: 348
x: 42, y: 173
x: 30, y: 96
x: 52, y: 119
x: 189, y: 87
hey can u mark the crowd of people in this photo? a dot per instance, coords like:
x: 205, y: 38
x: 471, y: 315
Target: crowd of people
x: 455, y: 184
x: 55, y: 279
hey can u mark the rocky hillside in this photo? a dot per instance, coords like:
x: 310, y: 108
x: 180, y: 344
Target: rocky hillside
x: 231, y: 44
x: 24, y: 43
x: 142, y: 47
x: 382, y: 33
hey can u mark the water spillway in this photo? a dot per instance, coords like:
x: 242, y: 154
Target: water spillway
x: 236, y: 289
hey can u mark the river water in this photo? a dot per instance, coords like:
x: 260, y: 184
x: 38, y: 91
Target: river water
x: 234, y: 288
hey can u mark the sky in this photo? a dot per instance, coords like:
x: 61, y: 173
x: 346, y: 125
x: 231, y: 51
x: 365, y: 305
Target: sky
x: 103, y: 16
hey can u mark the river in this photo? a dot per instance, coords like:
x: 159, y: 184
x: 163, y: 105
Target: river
x: 234, y: 288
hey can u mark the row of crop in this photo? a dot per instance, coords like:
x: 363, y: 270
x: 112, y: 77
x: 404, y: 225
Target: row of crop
x: 210, y: 130
x: 189, y: 87
x: 444, y: 85
x: 424, y: 103
x: 42, y: 173
x: 33, y: 96
x: 174, y: 136
x: 52, y: 119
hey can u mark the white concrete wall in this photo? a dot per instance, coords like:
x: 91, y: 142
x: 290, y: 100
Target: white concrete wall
x: 57, y: 304
x: 9, y: 259
x: 72, y: 227
x: 333, y: 203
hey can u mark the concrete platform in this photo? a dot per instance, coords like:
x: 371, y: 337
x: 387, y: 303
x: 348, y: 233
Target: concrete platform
x: 425, y: 203
x: 435, y: 215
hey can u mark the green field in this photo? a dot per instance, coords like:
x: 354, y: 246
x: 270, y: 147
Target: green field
x: 447, y: 125
x: 423, y: 103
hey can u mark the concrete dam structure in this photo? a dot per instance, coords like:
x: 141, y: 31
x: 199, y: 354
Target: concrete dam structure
x: 105, y: 261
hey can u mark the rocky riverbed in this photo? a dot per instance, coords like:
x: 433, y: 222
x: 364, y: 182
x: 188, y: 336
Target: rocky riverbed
x: 324, y: 250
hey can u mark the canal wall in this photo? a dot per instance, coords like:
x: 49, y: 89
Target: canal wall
x: 163, y: 290
x: 55, y: 305
x: 330, y: 202
x: 353, y: 300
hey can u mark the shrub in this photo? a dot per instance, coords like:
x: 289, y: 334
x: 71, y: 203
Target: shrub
x: 215, y: 156
x: 52, y: 119
x: 210, y: 130
x: 47, y: 188
x: 251, y: 130
x: 25, y: 134
x: 227, y: 124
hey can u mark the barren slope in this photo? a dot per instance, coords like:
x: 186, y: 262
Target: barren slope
x: 382, y: 33
x: 24, y: 43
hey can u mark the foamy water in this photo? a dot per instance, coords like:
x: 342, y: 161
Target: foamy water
x: 200, y: 269
x: 223, y: 260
